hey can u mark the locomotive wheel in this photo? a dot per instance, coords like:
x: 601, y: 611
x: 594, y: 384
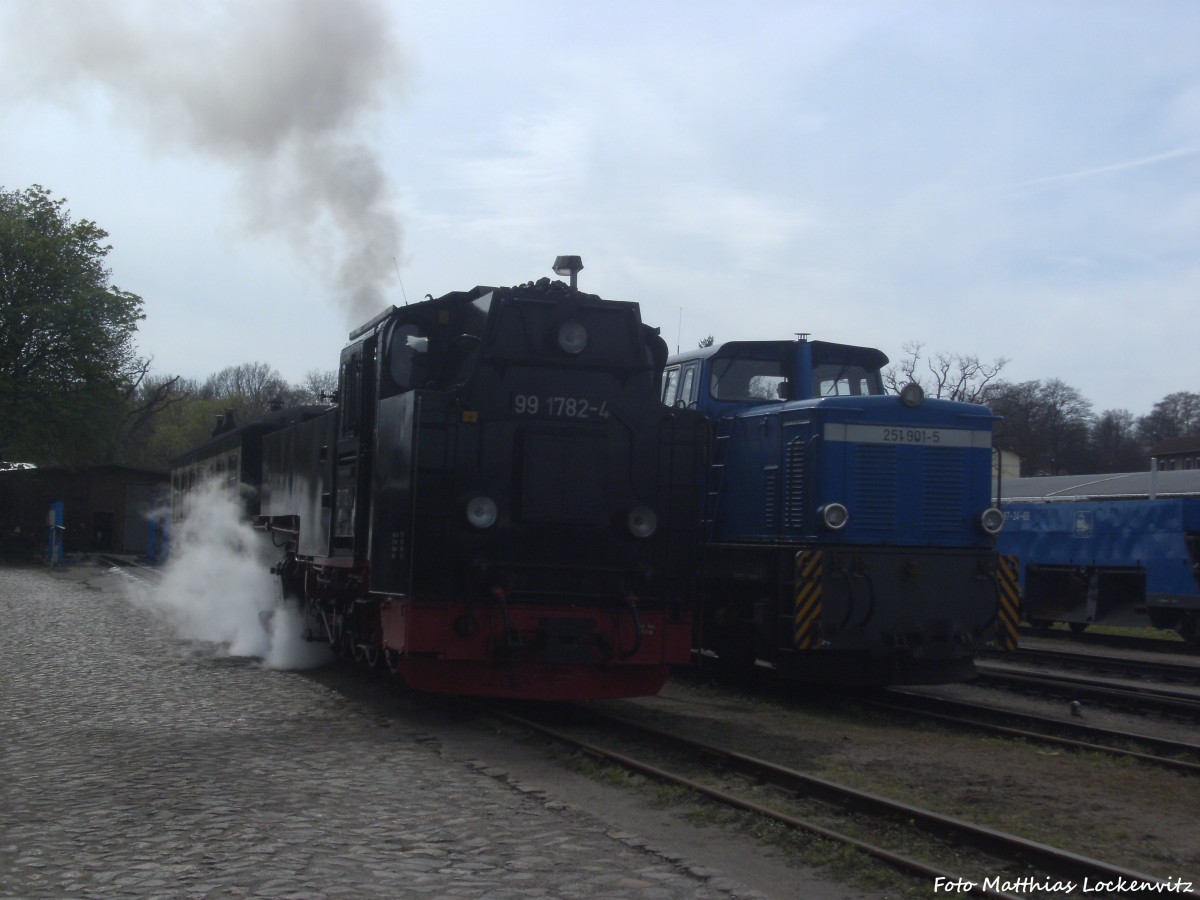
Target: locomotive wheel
x: 1078, y: 627
x: 391, y: 659
x: 369, y: 655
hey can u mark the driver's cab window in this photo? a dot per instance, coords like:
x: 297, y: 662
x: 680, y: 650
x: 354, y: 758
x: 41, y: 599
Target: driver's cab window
x: 408, y: 352
x: 845, y: 380
x: 687, y: 396
x: 748, y: 379
x: 670, y: 390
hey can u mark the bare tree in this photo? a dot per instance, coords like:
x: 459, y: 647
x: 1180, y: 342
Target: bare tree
x: 1046, y: 422
x: 944, y: 376
x: 146, y: 397
x: 1175, y: 415
x: 1114, y: 444
x: 248, y: 389
x: 318, y: 386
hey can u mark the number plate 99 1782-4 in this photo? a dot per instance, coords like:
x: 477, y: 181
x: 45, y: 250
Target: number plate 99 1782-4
x: 554, y: 407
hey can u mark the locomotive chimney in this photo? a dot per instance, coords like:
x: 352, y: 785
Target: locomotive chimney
x: 568, y: 265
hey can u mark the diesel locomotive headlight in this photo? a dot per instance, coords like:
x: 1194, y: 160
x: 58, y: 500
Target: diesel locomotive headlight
x: 642, y: 521
x: 911, y: 395
x: 481, y: 512
x: 572, y: 338
x: 991, y: 520
x: 834, y: 516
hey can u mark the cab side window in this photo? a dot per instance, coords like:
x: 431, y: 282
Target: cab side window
x: 407, y: 353
x: 670, y: 386
x: 686, y: 393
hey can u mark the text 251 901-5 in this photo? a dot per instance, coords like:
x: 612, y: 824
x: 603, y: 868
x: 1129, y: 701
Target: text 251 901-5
x: 559, y: 407
x: 911, y: 436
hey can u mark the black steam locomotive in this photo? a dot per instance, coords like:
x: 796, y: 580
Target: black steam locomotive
x: 498, y: 504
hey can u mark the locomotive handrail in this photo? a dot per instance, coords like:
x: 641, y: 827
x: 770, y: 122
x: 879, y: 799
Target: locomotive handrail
x: 637, y: 632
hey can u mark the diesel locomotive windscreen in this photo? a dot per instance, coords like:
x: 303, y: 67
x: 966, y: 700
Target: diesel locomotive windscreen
x: 840, y: 370
x: 845, y: 380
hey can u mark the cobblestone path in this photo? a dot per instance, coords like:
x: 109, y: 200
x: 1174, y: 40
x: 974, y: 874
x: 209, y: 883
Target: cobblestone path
x: 132, y: 767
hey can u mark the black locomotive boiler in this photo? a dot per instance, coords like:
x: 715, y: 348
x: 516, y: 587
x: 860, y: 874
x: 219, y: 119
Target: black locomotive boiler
x: 498, y: 504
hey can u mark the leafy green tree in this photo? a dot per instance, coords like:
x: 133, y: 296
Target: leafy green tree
x: 67, y: 355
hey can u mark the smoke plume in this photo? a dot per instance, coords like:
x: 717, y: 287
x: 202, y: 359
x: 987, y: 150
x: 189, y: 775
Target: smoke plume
x: 280, y: 90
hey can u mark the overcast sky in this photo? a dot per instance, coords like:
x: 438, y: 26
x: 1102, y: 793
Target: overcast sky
x: 1005, y: 179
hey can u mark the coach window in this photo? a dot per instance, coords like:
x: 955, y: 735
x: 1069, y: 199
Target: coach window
x: 670, y: 386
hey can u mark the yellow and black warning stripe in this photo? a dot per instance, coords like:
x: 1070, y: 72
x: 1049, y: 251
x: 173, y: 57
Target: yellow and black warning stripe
x: 807, y: 594
x: 1008, y: 618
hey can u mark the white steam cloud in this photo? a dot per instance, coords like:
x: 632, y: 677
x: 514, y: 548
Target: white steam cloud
x: 277, y: 89
x: 217, y: 588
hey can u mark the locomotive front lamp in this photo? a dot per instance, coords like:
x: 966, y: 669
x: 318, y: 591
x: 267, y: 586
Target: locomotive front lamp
x: 834, y: 516
x: 481, y: 512
x: 572, y: 338
x: 568, y: 265
x: 991, y: 520
x: 642, y: 521
x: 912, y: 395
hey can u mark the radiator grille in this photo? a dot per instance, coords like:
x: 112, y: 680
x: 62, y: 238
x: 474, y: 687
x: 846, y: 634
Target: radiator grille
x: 771, y: 500
x: 795, y: 476
x: 943, y: 485
x: 875, y: 480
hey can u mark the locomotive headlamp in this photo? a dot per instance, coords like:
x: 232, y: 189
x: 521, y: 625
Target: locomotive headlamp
x: 481, y: 512
x: 642, y: 521
x: 834, y: 516
x: 912, y: 395
x: 991, y: 520
x: 572, y: 338
x: 568, y: 265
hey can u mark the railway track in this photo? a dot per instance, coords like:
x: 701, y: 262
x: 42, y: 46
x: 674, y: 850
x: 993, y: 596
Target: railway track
x: 1173, y: 670
x: 1142, y: 698
x: 1164, y: 644
x: 998, y: 850
x: 1175, y: 755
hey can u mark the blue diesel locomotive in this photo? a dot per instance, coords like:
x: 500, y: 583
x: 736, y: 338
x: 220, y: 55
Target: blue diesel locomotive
x: 1116, y: 549
x: 848, y: 536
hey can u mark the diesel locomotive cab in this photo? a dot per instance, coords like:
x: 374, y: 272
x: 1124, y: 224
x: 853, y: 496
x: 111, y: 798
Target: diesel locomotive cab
x: 848, y: 534
x: 504, y: 506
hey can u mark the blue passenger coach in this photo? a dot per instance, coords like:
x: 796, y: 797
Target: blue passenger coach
x: 1116, y: 549
x: 848, y: 535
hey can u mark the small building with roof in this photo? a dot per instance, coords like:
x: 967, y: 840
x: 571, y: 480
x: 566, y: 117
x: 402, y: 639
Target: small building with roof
x: 1177, y: 453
